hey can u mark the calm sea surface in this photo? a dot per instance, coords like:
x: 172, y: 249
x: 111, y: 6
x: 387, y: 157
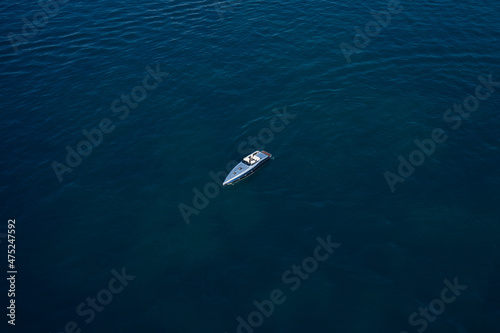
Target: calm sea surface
x: 115, y: 113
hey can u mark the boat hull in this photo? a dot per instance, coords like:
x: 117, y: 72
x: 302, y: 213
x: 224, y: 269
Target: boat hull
x: 243, y: 170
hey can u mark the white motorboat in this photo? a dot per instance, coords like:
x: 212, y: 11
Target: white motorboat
x: 248, y: 166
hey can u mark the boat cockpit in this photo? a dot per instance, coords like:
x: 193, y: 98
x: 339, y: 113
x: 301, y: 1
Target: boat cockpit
x: 251, y: 159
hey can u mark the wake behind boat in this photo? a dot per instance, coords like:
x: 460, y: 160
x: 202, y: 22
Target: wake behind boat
x: 247, y: 167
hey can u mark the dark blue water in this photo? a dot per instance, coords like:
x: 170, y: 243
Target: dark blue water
x: 170, y: 91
